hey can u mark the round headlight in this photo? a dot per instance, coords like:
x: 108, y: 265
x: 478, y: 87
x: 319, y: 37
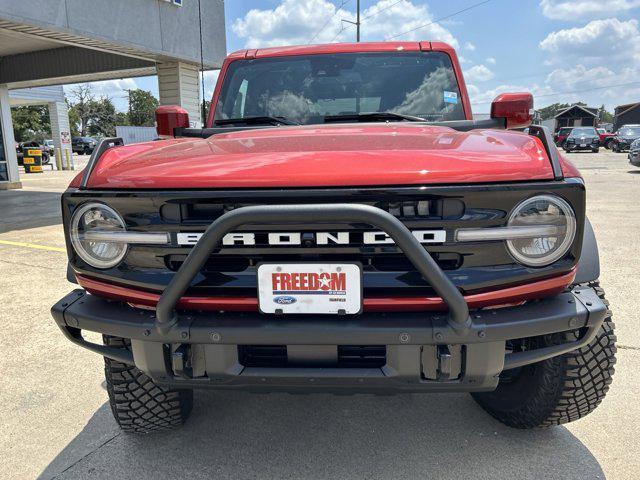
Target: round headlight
x: 544, y: 211
x: 93, y: 218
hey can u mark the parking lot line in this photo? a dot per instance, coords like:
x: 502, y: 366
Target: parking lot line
x: 32, y: 245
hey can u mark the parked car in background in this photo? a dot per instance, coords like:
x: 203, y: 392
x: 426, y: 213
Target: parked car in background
x: 634, y: 153
x: 561, y: 135
x: 625, y: 136
x: 23, y: 146
x: 582, y: 138
x: 49, y: 147
x: 83, y: 145
x: 605, y: 137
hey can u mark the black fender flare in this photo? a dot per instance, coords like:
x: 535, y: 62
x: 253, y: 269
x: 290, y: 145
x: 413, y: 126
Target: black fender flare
x: 71, y: 276
x: 589, y: 264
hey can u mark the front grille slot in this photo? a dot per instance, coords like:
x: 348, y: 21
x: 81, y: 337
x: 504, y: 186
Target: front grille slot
x: 422, y: 208
x: 362, y: 356
x: 349, y: 356
x: 273, y: 356
x: 219, y: 263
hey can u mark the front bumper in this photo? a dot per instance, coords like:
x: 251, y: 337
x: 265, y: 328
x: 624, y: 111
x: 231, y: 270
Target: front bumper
x: 423, y: 351
x: 577, y: 146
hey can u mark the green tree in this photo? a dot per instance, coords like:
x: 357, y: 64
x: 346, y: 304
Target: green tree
x: 142, y: 108
x: 103, y: 122
x: 31, y: 122
x: 604, y: 116
x: 83, y: 108
x: 74, y: 119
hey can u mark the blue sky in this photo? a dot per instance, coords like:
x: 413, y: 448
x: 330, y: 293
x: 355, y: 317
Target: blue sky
x: 549, y: 47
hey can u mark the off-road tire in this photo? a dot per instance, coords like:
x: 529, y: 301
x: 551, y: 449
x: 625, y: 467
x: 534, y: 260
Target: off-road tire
x: 137, y: 403
x: 561, y: 389
x: 607, y: 144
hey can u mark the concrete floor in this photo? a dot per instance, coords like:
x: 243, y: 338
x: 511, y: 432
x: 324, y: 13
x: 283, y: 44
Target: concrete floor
x: 55, y: 422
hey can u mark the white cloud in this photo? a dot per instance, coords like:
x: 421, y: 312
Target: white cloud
x: 481, y: 99
x: 578, y: 9
x: 113, y: 89
x: 299, y: 21
x: 210, y: 79
x: 478, y: 73
x: 606, y: 41
x: 597, y: 83
x: 491, y: 60
x: 469, y: 46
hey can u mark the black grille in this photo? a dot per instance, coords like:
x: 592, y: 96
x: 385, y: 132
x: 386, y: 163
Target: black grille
x: 206, y: 211
x: 349, y: 356
x: 262, y: 355
x: 362, y: 356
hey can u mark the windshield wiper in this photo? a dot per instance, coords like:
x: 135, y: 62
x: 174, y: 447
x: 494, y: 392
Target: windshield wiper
x: 372, y: 117
x: 263, y: 120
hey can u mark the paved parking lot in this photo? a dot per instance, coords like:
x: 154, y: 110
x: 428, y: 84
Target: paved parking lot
x: 55, y: 422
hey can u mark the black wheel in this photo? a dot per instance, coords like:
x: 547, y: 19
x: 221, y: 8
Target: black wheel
x: 45, y: 159
x: 615, y: 148
x: 86, y: 151
x: 559, y: 390
x: 137, y: 403
x: 607, y: 144
x: 595, y: 150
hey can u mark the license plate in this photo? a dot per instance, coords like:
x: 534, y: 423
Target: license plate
x: 28, y: 161
x: 35, y: 168
x: 324, y: 288
x: 583, y: 144
x: 34, y: 153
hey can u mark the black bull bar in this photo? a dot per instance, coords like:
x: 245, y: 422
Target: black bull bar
x: 579, y: 310
x: 458, y: 317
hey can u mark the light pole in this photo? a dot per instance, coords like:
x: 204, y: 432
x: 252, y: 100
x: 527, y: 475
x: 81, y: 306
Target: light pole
x: 357, y: 22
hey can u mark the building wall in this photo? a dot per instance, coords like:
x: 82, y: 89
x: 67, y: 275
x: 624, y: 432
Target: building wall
x: 631, y: 116
x: 36, y: 96
x: 8, y: 161
x: 156, y: 27
x: 130, y: 134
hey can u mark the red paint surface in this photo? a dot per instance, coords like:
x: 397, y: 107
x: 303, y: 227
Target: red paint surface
x: 515, y: 294
x: 326, y: 156
x: 569, y: 170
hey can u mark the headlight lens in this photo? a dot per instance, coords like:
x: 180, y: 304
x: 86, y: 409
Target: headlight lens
x: 96, y: 217
x: 542, y: 210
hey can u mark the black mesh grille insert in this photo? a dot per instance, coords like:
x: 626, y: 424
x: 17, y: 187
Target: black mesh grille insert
x: 362, y: 356
x: 349, y: 356
x: 262, y: 355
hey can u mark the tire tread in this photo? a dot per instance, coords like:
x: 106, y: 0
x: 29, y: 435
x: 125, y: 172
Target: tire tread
x: 137, y: 403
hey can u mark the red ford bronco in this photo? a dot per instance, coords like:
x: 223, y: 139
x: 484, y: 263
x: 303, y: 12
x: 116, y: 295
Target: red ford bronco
x: 341, y: 224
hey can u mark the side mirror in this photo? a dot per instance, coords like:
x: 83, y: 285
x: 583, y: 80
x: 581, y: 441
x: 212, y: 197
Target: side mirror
x: 515, y: 108
x: 169, y: 117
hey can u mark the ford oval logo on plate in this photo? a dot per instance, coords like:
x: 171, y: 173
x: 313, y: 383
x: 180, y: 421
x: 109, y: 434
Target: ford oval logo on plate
x: 285, y: 300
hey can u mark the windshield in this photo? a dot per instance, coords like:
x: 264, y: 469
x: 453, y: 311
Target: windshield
x: 306, y: 89
x: 629, y: 132
x: 576, y: 132
x: 564, y: 131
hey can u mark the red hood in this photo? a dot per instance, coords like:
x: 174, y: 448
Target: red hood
x: 326, y: 156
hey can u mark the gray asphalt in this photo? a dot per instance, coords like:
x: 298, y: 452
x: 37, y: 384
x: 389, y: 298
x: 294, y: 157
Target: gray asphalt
x: 55, y: 422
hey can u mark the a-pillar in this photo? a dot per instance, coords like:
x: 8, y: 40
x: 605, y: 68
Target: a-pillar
x: 178, y: 84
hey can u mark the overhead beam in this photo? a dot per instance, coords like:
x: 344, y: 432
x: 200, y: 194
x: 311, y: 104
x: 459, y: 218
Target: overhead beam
x: 33, y: 68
